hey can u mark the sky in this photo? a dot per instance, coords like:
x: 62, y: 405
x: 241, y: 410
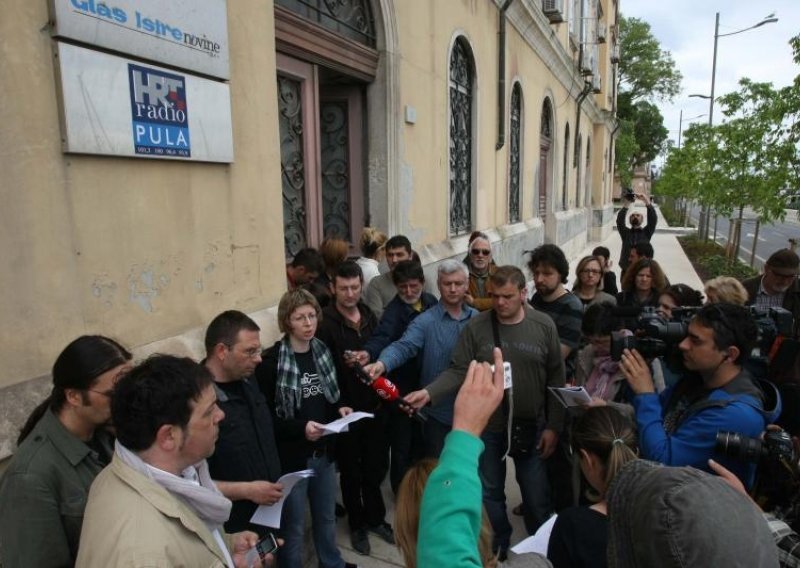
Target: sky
x: 685, y: 28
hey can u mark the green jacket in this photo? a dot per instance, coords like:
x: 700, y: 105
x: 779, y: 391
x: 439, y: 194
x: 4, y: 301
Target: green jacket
x: 450, y: 516
x: 43, y: 494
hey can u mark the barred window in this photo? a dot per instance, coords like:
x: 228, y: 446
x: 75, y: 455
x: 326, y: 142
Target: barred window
x: 515, y: 155
x: 462, y: 81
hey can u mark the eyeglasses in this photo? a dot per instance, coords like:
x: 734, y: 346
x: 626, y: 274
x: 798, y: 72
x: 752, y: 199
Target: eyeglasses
x: 590, y: 271
x: 106, y: 394
x: 310, y: 318
x: 480, y: 252
x: 249, y: 353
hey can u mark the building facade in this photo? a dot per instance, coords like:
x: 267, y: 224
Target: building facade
x: 421, y: 117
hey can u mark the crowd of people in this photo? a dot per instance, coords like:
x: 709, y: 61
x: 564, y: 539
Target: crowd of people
x: 164, y: 462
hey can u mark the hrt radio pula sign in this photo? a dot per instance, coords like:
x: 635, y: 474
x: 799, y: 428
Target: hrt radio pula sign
x: 159, y: 111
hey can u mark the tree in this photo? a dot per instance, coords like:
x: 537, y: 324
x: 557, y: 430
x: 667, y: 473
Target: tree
x: 646, y: 73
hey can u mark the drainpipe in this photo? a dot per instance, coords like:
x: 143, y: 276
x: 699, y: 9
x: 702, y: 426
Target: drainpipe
x: 587, y: 88
x: 501, y: 76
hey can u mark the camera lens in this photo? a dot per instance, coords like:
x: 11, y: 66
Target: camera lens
x: 738, y: 447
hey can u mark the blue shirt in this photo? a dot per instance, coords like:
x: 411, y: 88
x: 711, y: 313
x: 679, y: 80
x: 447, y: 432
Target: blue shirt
x: 434, y: 333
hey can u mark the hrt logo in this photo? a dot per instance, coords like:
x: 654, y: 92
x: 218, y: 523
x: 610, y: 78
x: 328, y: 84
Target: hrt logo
x: 159, y: 111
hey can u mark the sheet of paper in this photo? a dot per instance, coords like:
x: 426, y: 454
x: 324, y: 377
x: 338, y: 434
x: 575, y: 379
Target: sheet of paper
x: 270, y: 515
x: 571, y: 396
x: 343, y: 424
x: 538, y: 542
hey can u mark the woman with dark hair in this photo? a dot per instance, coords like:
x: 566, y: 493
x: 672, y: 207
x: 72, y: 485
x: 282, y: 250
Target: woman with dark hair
x: 603, y: 440
x: 642, y: 284
x: 678, y: 296
x: 62, y: 447
x: 481, y: 267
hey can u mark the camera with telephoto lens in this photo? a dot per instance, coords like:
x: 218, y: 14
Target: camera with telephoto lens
x: 778, y: 476
x: 776, y: 446
x: 656, y: 336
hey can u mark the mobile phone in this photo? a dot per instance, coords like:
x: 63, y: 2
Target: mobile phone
x: 507, y: 382
x: 266, y: 545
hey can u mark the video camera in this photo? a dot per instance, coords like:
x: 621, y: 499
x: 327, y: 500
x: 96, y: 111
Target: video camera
x: 655, y: 336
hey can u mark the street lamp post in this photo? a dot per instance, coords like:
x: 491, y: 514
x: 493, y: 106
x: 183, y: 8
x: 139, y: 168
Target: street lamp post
x: 705, y: 213
x: 681, y: 120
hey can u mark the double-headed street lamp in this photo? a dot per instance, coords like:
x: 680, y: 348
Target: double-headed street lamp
x: 770, y: 19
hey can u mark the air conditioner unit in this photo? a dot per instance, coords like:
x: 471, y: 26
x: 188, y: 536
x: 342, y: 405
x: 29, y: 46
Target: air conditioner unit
x: 602, y: 30
x: 554, y: 10
x: 597, y: 83
x: 615, y: 54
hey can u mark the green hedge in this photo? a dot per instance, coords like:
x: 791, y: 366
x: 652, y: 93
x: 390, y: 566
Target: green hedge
x: 709, y: 259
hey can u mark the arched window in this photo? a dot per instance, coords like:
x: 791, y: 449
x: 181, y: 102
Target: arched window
x: 462, y: 81
x: 545, y: 144
x: 515, y: 155
x: 565, y: 172
x: 351, y: 19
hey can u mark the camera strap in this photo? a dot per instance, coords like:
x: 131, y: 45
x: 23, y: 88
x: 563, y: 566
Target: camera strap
x: 508, y: 396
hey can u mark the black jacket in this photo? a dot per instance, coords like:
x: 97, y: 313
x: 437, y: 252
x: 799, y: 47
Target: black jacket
x: 246, y: 448
x: 631, y: 236
x: 394, y: 322
x: 290, y: 434
x: 335, y: 332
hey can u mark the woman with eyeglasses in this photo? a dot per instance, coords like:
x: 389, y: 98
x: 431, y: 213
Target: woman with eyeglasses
x: 298, y: 378
x: 481, y: 267
x: 62, y: 447
x: 589, y: 283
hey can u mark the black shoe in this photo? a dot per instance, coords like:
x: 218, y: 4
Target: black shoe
x: 360, y: 542
x: 340, y: 510
x: 502, y: 554
x: 383, y: 530
x: 350, y: 565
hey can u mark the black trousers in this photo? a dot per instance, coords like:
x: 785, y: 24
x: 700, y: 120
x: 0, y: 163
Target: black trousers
x: 363, y: 456
x: 405, y: 441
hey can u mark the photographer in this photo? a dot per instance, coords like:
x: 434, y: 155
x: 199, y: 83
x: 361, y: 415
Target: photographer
x: 680, y: 426
x: 635, y: 233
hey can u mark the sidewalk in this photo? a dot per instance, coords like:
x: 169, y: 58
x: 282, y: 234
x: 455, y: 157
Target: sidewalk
x: 676, y: 265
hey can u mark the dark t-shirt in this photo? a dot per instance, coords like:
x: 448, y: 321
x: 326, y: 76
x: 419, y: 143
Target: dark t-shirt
x: 579, y: 539
x: 314, y: 406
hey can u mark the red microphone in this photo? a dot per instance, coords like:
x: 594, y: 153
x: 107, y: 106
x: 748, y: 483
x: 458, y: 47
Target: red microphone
x: 386, y: 390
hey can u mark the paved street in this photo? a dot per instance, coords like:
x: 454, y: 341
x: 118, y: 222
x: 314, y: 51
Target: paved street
x: 671, y: 256
x: 771, y: 237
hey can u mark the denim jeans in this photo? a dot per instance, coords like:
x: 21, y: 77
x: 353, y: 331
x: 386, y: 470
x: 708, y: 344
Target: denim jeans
x: 532, y: 481
x: 321, y: 492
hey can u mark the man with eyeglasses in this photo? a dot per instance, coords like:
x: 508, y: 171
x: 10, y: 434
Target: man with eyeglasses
x: 778, y: 287
x: 245, y: 463
x: 680, y: 426
x: 481, y: 267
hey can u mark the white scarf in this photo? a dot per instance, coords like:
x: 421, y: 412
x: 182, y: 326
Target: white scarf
x: 204, y: 499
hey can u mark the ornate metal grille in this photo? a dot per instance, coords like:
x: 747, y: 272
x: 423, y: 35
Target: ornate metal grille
x: 514, y: 155
x: 349, y: 18
x: 461, y: 81
x: 293, y: 183
x: 578, y: 164
x: 334, y: 166
x: 545, y: 143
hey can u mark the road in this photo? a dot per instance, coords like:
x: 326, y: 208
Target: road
x: 771, y: 237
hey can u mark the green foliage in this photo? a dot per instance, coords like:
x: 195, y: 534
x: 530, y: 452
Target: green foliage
x: 708, y: 259
x: 646, y: 73
x: 645, y: 70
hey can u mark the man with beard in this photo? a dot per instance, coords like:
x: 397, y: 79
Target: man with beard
x: 635, y: 233
x: 778, y: 287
